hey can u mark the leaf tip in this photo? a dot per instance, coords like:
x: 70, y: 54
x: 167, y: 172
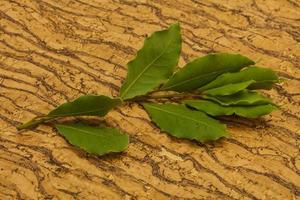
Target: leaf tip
x: 176, y: 24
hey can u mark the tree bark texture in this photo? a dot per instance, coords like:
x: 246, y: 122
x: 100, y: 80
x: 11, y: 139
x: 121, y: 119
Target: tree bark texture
x: 52, y: 51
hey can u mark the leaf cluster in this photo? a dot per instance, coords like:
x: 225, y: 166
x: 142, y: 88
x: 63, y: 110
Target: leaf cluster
x: 193, y: 96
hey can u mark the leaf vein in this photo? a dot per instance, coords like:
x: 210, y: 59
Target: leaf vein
x: 80, y: 130
x: 191, y: 79
x: 182, y: 116
x: 146, y: 68
x: 76, y: 113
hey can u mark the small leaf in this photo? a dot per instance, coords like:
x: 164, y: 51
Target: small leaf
x: 215, y: 109
x: 88, y: 105
x: 94, y: 140
x: 182, y: 122
x: 205, y: 69
x: 153, y: 64
x: 241, y: 98
x: 229, y: 89
x: 264, y: 78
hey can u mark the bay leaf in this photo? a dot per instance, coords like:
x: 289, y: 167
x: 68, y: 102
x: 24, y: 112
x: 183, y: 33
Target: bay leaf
x: 87, y: 105
x: 181, y: 122
x: 154, y: 63
x: 264, y: 78
x: 228, y: 89
x: 244, y: 97
x: 94, y: 140
x: 215, y: 109
x: 205, y: 69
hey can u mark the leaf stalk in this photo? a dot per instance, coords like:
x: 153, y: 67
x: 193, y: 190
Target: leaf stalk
x: 34, y: 122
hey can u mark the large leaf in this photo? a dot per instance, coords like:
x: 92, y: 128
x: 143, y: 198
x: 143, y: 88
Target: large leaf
x: 182, y: 122
x: 241, y: 98
x: 88, y: 105
x: 229, y: 89
x: 205, y: 69
x: 216, y: 109
x: 94, y: 140
x: 154, y: 63
x: 264, y: 78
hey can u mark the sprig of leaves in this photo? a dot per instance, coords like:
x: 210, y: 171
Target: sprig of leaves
x: 207, y: 87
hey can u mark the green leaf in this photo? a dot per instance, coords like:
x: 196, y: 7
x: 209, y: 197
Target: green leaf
x: 241, y: 98
x: 215, y: 109
x: 229, y: 89
x: 205, y: 69
x: 88, y: 105
x: 94, y: 140
x: 182, y: 122
x: 264, y: 78
x: 154, y: 63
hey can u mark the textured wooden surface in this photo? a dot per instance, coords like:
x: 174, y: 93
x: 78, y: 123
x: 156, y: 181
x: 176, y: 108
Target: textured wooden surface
x: 52, y: 51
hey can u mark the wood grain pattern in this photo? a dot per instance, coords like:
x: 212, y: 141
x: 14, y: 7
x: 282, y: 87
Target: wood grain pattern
x: 52, y: 51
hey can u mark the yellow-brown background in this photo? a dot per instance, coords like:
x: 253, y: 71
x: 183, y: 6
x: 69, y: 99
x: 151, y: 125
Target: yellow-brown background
x: 52, y: 51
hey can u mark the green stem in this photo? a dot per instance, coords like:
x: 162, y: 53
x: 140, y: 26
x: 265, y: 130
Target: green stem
x: 42, y: 119
x: 165, y: 96
x: 34, y: 122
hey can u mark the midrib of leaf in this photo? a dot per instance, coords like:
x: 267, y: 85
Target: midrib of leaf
x: 265, y: 81
x: 181, y: 116
x: 144, y: 70
x: 76, y: 113
x: 256, y: 81
x: 80, y: 130
x: 191, y: 79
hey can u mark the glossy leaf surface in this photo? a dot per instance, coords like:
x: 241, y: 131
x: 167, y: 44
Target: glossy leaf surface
x: 205, y: 69
x: 264, y: 78
x: 241, y: 98
x: 182, y: 122
x: 153, y: 64
x: 94, y: 140
x: 88, y: 105
x: 215, y: 109
x: 229, y: 89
